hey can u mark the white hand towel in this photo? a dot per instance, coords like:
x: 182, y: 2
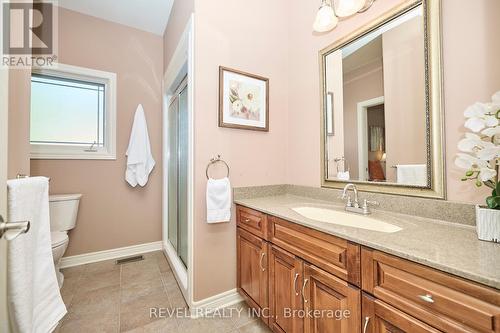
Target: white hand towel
x: 218, y: 200
x: 140, y: 161
x: 412, y: 174
x: 35, y: 303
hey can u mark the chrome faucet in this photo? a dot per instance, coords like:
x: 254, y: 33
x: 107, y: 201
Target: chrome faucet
x: 354, y: 207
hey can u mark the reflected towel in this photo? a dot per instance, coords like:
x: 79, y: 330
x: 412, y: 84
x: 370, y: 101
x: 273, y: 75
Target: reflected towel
x: 140, y: 161
x: 218, y: 200
x: 412, y: 174
x: 34, y: 300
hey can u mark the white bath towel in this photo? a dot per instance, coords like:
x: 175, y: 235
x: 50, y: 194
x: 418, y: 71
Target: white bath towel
x: 218, y: 200
x: 412, y: 174
x: 140, y: 161
x: 34, y: 300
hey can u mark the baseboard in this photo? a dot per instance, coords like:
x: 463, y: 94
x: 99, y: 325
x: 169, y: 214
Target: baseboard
x: 126, y: 251
x: 215, y: 302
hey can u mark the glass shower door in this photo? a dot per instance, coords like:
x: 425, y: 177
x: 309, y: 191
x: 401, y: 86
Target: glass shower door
x: 178, y: 172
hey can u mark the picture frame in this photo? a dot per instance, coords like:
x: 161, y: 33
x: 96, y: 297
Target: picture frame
x: 330, y: 128
x: 243, y: 100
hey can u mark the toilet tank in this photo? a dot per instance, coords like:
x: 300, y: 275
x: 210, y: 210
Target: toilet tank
x: 63, y: 211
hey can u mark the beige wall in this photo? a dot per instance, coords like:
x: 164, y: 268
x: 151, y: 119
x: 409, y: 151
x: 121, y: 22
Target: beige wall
x: 19, y: 122
x: 471, y: 73
x: 404, y: 86
x: 112, y: 214
x: 254, y: 40
x: 179, y: 16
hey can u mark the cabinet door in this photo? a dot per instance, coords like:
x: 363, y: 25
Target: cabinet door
x: 379, y: 317
x: 285, y: 280
x: 331, y: 305
x: 252, y: 272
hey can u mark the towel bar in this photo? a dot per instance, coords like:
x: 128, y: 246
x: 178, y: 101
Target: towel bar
x: 22, y: 227
x: 215, y: 160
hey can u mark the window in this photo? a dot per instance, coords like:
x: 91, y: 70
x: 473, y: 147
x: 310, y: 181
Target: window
x: 72, y: 114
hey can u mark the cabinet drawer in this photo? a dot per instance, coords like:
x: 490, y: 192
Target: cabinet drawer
x: 252, y: 221
x: 332, y: 254
x: 379, y: 317
x: 448, y: 303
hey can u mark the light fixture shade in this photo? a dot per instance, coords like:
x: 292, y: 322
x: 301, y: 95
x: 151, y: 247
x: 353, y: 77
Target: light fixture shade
x: 344, y: 8
x: 325, y: 19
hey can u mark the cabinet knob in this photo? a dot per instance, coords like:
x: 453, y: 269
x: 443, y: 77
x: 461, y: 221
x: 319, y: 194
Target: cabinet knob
x: 247, y: 220
x: 426, y: 298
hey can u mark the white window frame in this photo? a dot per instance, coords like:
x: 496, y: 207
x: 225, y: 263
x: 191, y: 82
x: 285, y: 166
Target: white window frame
x: 69, y: 152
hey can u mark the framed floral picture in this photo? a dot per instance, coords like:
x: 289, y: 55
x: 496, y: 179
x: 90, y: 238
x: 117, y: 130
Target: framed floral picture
x: 243, y: 100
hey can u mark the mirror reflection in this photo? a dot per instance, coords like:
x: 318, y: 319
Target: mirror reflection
x: 375, y: 109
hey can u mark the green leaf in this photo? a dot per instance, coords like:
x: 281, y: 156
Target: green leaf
x: 497, y: 190
x: 464, y: 179
x: 493, y: 202
x: 479, y: 183
x: 469, y: 173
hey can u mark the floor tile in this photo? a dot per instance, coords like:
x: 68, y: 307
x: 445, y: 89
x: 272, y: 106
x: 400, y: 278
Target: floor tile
x: 98, y: 322
x: 76, y: 271
x: 242, y: 314
x: 205, y: 325
x: 136, y: 313
x: 166, y: 325
x: 256, y: 326
x: 100, y: 280
x: 103, y: 300
x: 102, y: 266
x: 141, y: 288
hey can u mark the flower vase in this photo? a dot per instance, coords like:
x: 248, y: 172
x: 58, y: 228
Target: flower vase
x: 488, y: 224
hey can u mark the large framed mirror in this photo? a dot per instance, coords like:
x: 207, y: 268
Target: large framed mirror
x: 381, y: 105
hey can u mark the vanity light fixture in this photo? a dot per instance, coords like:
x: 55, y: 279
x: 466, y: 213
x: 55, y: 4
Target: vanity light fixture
x: 330, y: 11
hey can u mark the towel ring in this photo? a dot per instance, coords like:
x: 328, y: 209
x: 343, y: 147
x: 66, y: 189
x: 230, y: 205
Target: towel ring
x: 215, y: 160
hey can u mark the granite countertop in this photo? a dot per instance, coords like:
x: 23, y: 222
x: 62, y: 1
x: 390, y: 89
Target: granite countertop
x: 449, y: 247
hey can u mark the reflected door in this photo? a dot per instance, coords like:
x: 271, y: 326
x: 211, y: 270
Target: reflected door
x: 178, y: 171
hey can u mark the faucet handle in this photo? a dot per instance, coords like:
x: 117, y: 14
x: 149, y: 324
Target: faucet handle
x: 366, y: 203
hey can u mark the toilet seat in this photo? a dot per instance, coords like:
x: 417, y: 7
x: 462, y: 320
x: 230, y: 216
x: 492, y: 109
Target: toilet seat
x: 58, y: 238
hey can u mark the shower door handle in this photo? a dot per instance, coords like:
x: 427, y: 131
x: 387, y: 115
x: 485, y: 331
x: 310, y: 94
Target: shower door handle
x: 18, y: 228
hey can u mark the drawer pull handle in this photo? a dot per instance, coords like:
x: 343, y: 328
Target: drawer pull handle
x: 426, y: 298
x: 303, y: 290
x: 247, y: 220
x: 260, y: 262
x: 295, y: 284
x: 365, y: 327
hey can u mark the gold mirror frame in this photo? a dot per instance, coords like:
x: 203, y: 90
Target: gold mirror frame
x: 434, y: 104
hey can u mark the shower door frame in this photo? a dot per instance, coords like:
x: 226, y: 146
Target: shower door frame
x: 181, y: 65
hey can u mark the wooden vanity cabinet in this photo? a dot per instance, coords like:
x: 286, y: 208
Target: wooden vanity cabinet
x: 252, y: 269
x: 285, y: 267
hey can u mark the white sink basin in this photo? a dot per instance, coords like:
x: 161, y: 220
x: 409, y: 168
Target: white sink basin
x: 345, y: 219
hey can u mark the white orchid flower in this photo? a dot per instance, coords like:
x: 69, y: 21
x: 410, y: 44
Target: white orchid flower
x: 468, y: 162
x: 486, y: 174
x: 476, y: 110
x: 492, y: 131
x: 470, y: 142
x: 489, y: 154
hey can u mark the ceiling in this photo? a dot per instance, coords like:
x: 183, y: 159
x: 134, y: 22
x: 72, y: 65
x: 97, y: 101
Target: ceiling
x: 147, y: 15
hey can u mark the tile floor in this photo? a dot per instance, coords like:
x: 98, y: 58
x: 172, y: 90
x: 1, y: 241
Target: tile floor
x: 105, y: 297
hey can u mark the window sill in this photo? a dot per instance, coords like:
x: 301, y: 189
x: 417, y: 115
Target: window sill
x: 57, y: 153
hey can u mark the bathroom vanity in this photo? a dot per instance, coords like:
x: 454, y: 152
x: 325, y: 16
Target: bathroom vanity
x: 288, y: 263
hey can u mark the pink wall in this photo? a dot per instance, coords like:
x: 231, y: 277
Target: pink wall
x: 471, y: 73
x: 19, y: 122
x: 112, y: 214
x: 404, y: 86
x: 249, y: 36
x: 359, y: 85
x: 179, y: 16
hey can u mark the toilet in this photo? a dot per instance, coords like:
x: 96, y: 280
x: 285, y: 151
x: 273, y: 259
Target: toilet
x: 63, y: 213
